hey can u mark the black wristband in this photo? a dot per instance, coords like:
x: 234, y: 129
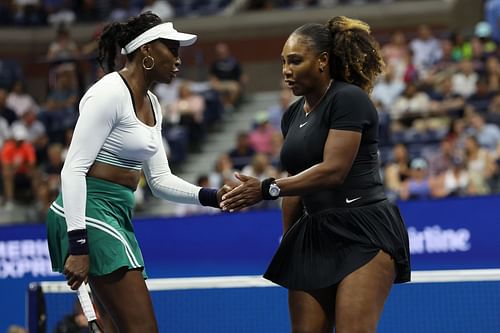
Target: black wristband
x: 208, y: 197
x: 264, y: 187
x: 78, y: 242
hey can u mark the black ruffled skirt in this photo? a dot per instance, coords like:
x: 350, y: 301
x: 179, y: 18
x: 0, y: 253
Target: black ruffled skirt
x: 320, y: 249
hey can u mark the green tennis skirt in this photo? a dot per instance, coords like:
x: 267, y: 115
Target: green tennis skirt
x: 111, y: 237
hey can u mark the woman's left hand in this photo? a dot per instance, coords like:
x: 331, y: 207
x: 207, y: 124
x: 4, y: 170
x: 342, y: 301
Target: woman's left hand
x: 246, y: 194
x: 223, y: 190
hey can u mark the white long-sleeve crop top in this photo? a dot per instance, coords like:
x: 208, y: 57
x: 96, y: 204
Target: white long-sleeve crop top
x: 109, y: 131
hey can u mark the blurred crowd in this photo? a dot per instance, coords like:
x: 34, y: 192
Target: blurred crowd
x: 438, y: 102
x: 42, y: 12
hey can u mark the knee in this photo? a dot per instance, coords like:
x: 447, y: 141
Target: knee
x: 356, y: 327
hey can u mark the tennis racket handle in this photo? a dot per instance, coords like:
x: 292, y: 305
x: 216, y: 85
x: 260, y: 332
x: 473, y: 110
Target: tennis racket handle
x: 87, y: 306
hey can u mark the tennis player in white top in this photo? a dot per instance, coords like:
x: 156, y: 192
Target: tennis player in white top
x: 117, y: 135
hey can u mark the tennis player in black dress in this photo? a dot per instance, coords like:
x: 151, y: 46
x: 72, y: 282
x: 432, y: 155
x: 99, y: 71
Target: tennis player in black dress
x: 344, y: 243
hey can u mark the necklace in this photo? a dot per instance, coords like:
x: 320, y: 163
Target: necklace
x: 310, y: 109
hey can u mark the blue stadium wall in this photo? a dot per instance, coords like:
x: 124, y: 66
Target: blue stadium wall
x: 458, y: 233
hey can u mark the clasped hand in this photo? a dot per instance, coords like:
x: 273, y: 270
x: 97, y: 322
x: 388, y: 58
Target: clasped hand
x: 246, y: 194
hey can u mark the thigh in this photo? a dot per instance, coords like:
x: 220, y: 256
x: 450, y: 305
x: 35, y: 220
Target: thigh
x: 361, y: 295
x: 126, y: 299
x: 312, y: 311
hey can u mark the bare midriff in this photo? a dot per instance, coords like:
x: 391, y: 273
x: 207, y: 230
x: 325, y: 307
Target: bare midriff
x: 123, y: 176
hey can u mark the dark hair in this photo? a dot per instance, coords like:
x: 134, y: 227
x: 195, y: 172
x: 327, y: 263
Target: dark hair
x: 120, y: 34
x: 354, y: 54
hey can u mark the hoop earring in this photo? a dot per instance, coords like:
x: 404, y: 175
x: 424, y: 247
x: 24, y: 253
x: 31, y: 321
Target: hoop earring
x: 144, y: 63
x: 321, y: 69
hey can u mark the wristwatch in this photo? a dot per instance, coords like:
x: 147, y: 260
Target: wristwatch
x: 274, y: 190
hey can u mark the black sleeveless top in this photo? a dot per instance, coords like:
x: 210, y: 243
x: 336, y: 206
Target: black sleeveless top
x: 344, y: 107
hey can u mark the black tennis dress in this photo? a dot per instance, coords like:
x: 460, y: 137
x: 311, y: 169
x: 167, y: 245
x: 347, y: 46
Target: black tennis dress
x: 342, y: 228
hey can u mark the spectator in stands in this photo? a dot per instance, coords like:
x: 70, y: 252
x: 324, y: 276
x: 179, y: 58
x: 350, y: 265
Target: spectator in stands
x: 492, y: 73
x: 412, y: 104
x: 59, y: 12
x: 36, y: 133
x: 242, y: 153
x: 118, y: 136
x: 335, y: 258
x: 454, y: 181
x: 481, y: 98
x: 223, y: 172
x: 261, y: 136
x: 63, y: 48
x: 185, y: 210
x: 492, y: 16
x: 276, y: 111
x: 483, y: 46
x: 487, y: 135
x: 426, y: 49
x: 493, y: 114
x: 444, y: 101
x: 10, y: 73
x: 28, y: 12
x: 6, y: 112
x: 19, y: 100
x: 50, y: 183
x: 61, y: 104
x: 76, y: 322
x: 397, y: 170
x: 18, y: 168
x: 464, y: 82
x: 226, y: 76
x: 4, y: 132
x: 162, y: 8
x: 396, y: 54
x: 442, y: 160
x: 260, y: 167
x: 480, y: 166
x: 187, y: 110
x: 418, y: 185
x: 388, y: 88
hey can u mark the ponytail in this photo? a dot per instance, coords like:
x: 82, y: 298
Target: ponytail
x: 355, y: 54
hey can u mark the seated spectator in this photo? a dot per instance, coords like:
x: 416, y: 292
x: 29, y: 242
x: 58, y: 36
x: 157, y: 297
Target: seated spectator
x: 418, y: 185
x: 397, y: 171
x: 484, y: 45
x: 19, y: 100
x: 493, y: 114
x: 36, y: 134
x: 442, y: 160
x: 261, y: 137
x: 426, y: 50
x: 187, y: 110
x: 28, y: 12
x: 410, y: 105
x: 444, y: 101
x: 492, y: 73
x: 10, y: 73
x: 453, y: 181
x: 186, y: 210
x: 4, y: 131
x: 242, y: 153
x: 487, y: 135
x: 275, y: 111
x: 226, y: 76
x: 223, y: 172
x: 388, y: 89
x: 75, y: 322
x: 480, y: 166
x: 464, y: 82
x: 396, y: 54
x: 18, y: 168
x: 50, y: 183
x: 63, y: 48
x: 6, y: 112
x: 260, y: 168
x: 61, y: 106
x: 59, y: 12
x: 162, y: 8
x: 482, y: 97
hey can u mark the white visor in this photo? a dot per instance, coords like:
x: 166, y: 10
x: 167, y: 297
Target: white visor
x: 165, y: 31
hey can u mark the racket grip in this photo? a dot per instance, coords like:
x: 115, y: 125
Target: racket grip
x: 86, y: 303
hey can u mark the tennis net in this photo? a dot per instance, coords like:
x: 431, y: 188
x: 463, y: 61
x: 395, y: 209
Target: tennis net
x: 434, y: 302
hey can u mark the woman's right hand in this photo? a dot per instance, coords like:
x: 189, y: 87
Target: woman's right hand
x: 76, y: 270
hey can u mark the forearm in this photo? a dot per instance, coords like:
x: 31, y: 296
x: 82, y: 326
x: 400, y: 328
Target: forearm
x: 292, y: 210
x: 317, y: 177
